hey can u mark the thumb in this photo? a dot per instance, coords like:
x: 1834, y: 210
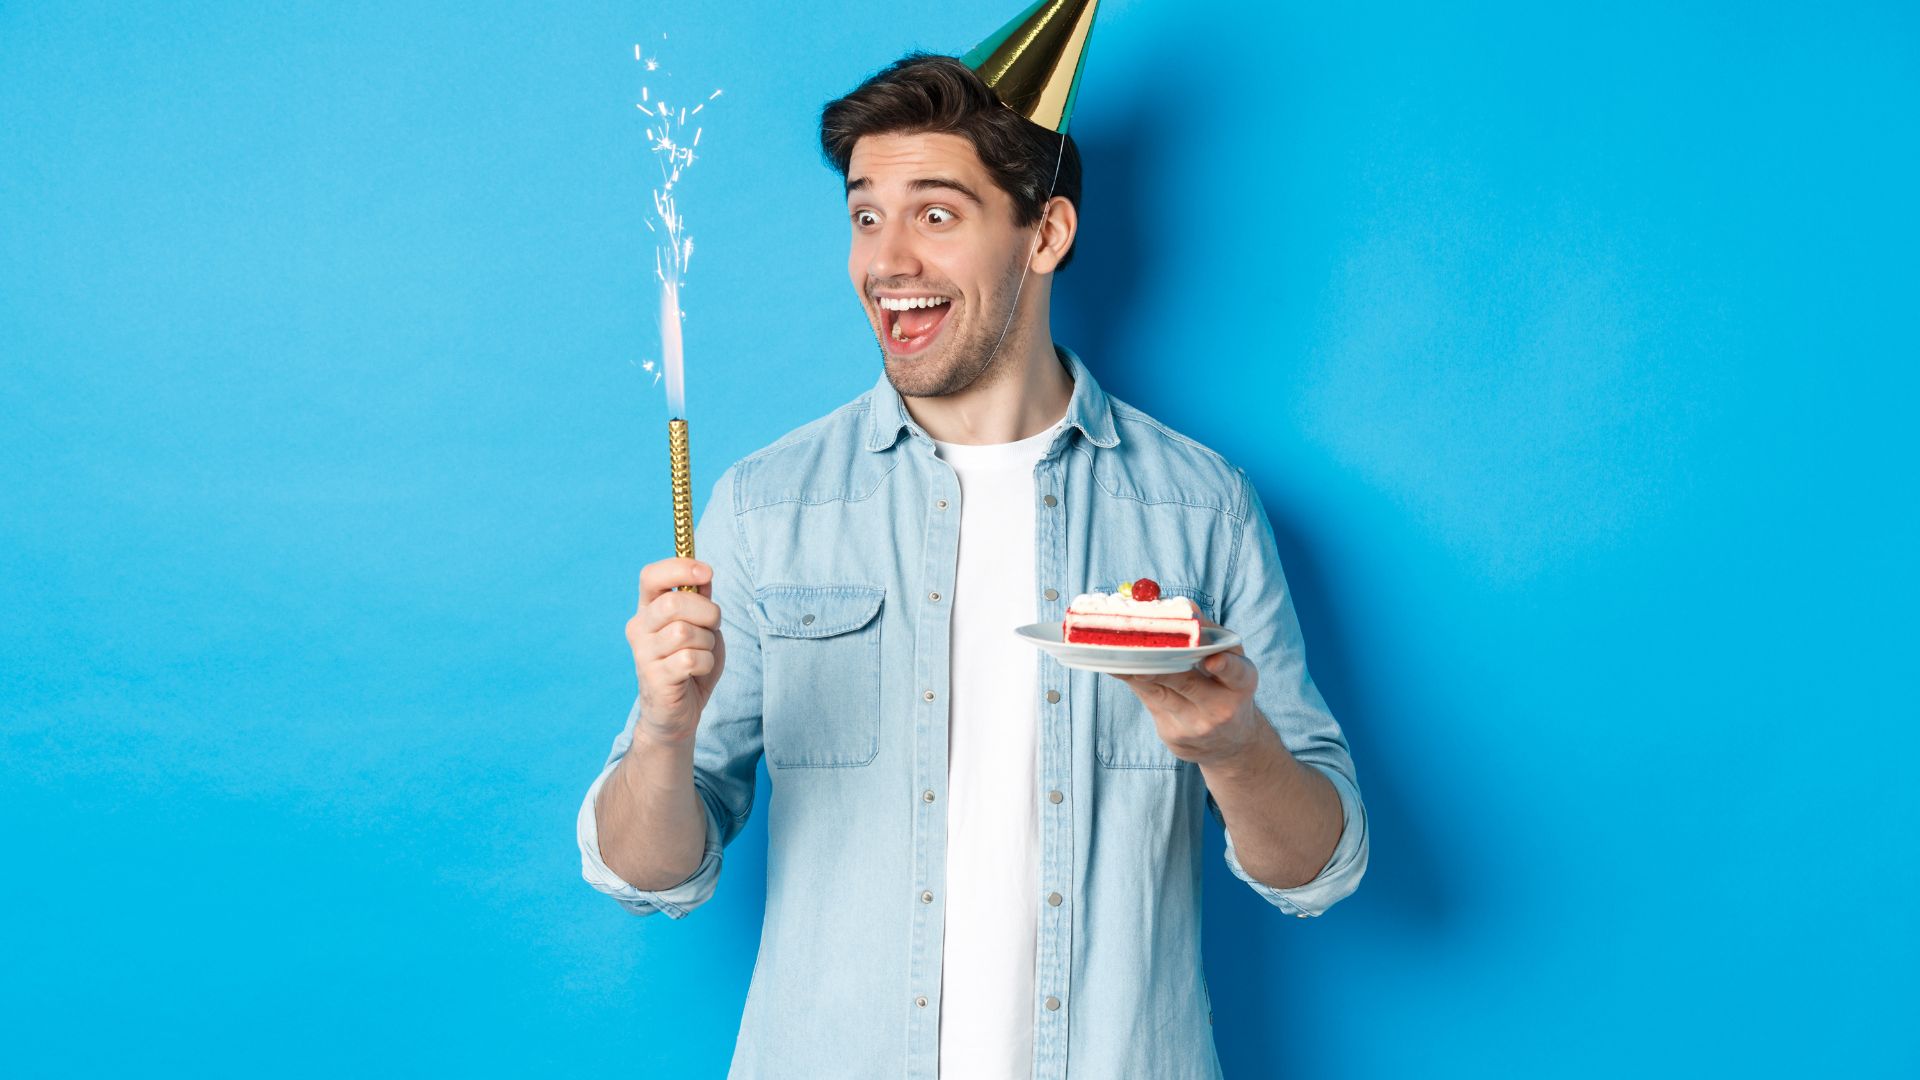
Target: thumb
x: 1234, y: 671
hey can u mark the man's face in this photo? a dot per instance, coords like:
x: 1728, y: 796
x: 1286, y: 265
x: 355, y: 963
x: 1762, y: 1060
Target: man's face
x: 936, y: 258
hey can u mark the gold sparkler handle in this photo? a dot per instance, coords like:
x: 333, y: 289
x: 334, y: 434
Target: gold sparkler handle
x: 682, y: 492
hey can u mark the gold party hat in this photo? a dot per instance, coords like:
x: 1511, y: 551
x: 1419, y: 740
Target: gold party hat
x: 1033, y: 63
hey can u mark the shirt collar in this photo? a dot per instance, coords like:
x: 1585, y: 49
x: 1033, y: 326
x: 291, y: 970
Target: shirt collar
x: 1087, y: 409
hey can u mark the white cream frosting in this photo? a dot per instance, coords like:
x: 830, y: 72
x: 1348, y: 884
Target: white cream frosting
x: 1119, y: 603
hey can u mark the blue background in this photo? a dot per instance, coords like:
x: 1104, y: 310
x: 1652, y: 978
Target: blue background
x: 1572, y: 349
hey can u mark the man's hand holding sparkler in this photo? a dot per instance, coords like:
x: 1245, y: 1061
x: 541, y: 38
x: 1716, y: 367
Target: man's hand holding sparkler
x: 652, y: 824
x: 677, y: 648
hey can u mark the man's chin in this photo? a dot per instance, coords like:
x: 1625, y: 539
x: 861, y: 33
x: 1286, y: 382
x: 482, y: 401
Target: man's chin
x: 921, y: 374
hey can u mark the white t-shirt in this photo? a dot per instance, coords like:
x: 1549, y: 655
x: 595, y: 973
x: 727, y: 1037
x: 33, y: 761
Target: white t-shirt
x: 993, y: 821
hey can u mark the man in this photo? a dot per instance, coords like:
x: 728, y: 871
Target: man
x: 980, y: 863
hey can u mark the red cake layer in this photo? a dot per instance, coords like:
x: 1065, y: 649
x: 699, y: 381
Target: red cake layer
x: 1080, y: 635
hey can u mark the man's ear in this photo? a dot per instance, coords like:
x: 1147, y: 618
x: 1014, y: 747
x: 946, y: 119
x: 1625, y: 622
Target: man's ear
x: 1058, y: 225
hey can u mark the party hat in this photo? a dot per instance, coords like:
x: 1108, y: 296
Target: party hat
x: 1033, y: 63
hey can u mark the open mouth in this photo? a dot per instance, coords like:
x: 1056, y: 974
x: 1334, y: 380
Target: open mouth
x: 909, y: 323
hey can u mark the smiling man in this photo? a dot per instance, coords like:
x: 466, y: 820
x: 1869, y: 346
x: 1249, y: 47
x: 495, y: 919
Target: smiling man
x: 980, y: 863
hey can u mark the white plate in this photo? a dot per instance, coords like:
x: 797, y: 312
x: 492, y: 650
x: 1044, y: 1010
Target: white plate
x: 1128, y: 659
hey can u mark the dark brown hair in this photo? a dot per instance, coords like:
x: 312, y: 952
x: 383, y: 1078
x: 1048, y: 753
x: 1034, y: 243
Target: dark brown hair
x: 927, y: 92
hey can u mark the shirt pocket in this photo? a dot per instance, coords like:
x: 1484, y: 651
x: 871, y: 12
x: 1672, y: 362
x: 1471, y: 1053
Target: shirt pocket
x: 1124, y: 733
x: 820, y: 670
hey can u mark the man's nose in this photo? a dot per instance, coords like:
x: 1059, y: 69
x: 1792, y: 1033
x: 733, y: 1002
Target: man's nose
x: 893, y: 255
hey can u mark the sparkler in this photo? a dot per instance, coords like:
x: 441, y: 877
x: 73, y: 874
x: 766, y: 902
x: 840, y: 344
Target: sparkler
x: 673, y: 249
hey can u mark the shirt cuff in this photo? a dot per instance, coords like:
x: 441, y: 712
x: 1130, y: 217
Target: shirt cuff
x: 677, y: 900
x: 1343, y: 871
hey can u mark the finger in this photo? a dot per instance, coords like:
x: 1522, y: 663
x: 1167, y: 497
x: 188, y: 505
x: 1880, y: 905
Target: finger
x: 669, y: 574
x: 1147, y: 687
x: 671, y: 607
x: 1194, y: 687
x: 1161, y: 682
x: 1233, y: 670
x: 685, y: 635
x: 1229, y: 668
x: 650, y: 588
x: 685, y: 664
x: 673, y: 637
x: 1184, y: 683
x: 1175, y: 689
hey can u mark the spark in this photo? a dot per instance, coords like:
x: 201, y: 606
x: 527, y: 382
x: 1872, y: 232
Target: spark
x: 673, y: 248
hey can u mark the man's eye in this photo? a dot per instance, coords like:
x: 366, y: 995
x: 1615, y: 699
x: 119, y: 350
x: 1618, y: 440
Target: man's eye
x: 943, y: 217
x: 863, y: 217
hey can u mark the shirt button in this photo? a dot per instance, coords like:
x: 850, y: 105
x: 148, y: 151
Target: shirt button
x: 1052, y: 594
x: 938, y: 504
x: 926, y: 898
x: 1053, y: 697
x: 934, y: 596
x: 1053, y: 1003
x: 920, y: 1001
x: 927, y: 795
x: 806, y: 620
x: 1054, y: 796
x: 1051, y: 501
x: 1054, y: 899
x: 928, y: 695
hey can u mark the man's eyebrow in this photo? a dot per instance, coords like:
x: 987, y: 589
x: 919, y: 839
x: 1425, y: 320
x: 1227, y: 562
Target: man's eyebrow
x: 925, y: 183
x: 928, y: 182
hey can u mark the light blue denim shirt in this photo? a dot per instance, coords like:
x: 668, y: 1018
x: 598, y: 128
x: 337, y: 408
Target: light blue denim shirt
x: 834, y: 556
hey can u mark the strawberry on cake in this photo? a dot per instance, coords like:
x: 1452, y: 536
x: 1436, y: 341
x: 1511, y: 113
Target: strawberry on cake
x: 1132, y: 615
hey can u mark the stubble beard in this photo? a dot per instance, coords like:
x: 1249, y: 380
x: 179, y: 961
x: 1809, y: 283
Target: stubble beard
x: 969, y: 358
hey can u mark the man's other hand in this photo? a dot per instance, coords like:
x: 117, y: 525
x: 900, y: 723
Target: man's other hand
x: 1205, y: 715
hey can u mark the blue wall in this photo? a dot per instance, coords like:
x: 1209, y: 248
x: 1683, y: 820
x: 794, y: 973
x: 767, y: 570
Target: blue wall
x: 1572, y: 351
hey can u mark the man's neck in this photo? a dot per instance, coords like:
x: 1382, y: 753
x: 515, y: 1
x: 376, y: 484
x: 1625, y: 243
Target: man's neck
x: 1028, y: 396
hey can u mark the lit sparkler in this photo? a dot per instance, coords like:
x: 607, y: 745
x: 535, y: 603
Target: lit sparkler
x: 673, y: 250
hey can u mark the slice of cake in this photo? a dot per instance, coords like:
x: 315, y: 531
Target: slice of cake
x: 1132, y: 615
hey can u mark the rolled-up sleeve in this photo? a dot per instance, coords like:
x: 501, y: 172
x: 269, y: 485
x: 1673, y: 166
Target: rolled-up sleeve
x: 727, y: 745
x: 676, y: 901
x: 1257, y: 604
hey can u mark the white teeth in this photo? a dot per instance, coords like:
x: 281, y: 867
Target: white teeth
x: 909, y: 302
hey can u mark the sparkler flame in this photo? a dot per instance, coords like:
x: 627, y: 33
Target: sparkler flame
x: 673, y: 247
